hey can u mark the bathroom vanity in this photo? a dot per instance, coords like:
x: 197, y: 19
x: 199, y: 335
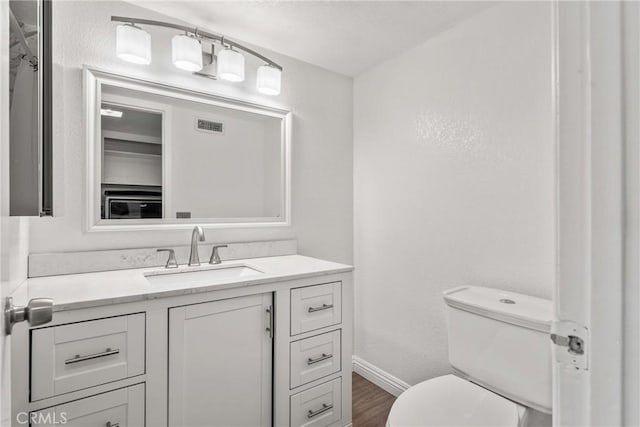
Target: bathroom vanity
x: 260, y: 341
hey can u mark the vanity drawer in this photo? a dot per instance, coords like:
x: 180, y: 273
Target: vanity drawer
x: 315, y: 307
x: 318, y: 406
x: 118, y: 408
x: 315, y: 357
x: 71, y: 357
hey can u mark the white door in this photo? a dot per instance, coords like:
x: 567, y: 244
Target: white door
x: 597, y: 141
x: 5, y: 349
x: 220, y: 357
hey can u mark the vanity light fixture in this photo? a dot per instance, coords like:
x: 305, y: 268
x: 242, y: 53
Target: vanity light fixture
x: 108, y: 112
x: 269, y: 80
x: 186, y: 53
x: 134, y: 45
x: 230, y: 65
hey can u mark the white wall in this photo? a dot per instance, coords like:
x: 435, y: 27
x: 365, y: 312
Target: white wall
x: 454, y: 181
x: 228, y: 167
x: 321, y: 102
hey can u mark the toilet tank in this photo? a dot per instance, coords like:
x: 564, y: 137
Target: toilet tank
x: 500, y: 340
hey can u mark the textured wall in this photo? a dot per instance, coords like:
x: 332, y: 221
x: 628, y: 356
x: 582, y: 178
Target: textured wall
x: 454, y: 181
x: 321, y: 102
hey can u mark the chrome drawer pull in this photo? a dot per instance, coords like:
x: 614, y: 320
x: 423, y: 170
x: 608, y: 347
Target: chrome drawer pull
x: 77, y: 358
x: 324, y: 408
x: 324, y: 356
x: 110, y: 424
x: 324, y: 307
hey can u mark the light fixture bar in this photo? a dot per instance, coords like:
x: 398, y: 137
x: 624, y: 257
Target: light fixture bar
x: 199, y: 33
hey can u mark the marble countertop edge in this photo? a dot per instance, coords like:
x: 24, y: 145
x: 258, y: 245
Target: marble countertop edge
x: 86, y: 290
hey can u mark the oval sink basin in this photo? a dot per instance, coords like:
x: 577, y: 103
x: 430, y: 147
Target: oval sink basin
x: 210, y: 276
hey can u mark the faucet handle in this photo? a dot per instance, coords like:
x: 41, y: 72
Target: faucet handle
x: 171, y: 262
x: 215, y: 257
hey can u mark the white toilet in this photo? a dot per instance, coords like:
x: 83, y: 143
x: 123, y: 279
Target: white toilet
x: 500, y: 351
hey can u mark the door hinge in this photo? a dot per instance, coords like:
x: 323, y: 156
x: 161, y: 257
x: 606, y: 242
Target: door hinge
x: 572, y: 342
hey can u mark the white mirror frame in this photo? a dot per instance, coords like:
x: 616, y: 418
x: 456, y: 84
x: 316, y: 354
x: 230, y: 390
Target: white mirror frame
x: 93, y: 80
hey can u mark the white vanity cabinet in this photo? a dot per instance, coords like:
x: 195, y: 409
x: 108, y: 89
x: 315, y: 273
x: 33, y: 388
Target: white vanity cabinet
x: 314, y: 307
x: 83, y: 354
x: 119, y: 408
x: 220, y: 363
x: 317, y: 336
x: 275, y: 352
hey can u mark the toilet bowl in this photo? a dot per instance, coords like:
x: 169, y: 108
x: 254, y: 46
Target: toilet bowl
x: 497, y: 339
x: 452, y: 401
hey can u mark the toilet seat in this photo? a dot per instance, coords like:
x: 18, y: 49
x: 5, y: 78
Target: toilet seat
x: 453, y: 401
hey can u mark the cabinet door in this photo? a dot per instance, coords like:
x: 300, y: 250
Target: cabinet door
x: 220, y: 363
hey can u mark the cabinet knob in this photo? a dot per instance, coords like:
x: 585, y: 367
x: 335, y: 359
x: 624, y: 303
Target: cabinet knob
x: 38, y: 312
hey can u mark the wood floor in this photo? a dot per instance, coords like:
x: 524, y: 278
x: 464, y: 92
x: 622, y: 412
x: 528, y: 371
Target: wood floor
x: 371, y: 404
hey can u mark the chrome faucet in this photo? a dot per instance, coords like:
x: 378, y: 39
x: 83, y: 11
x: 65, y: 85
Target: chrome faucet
x: 197, y: 235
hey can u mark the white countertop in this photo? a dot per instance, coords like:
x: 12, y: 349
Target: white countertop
x: 74, y: 291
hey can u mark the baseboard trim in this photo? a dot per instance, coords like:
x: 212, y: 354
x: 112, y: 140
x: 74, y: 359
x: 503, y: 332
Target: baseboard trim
x: 381, y: 378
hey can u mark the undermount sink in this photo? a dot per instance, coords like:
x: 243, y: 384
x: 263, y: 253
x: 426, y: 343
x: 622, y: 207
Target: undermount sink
x: 204, y: 276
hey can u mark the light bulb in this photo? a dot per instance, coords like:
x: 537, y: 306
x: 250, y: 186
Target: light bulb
x: 230, y: 65
x: 186, y: 53
x: 269, y: 80
x: 133, y: 44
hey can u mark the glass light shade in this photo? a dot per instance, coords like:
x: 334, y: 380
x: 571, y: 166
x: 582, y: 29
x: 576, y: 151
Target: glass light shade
x: 269, y: 80
x: 133, y: 44
x: 230, y: 65
x: 186, y: 53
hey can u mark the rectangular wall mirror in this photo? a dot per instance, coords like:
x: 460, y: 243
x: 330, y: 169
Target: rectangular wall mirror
x: 162, y: 156
x: 30, y: 115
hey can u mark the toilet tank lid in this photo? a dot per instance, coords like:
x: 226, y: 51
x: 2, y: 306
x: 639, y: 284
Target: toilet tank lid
x: 511, y: 307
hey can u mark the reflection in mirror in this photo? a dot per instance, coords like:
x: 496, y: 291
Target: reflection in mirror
x: 29, y: 107
x: 166, y: 158
x: 131, y: 162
